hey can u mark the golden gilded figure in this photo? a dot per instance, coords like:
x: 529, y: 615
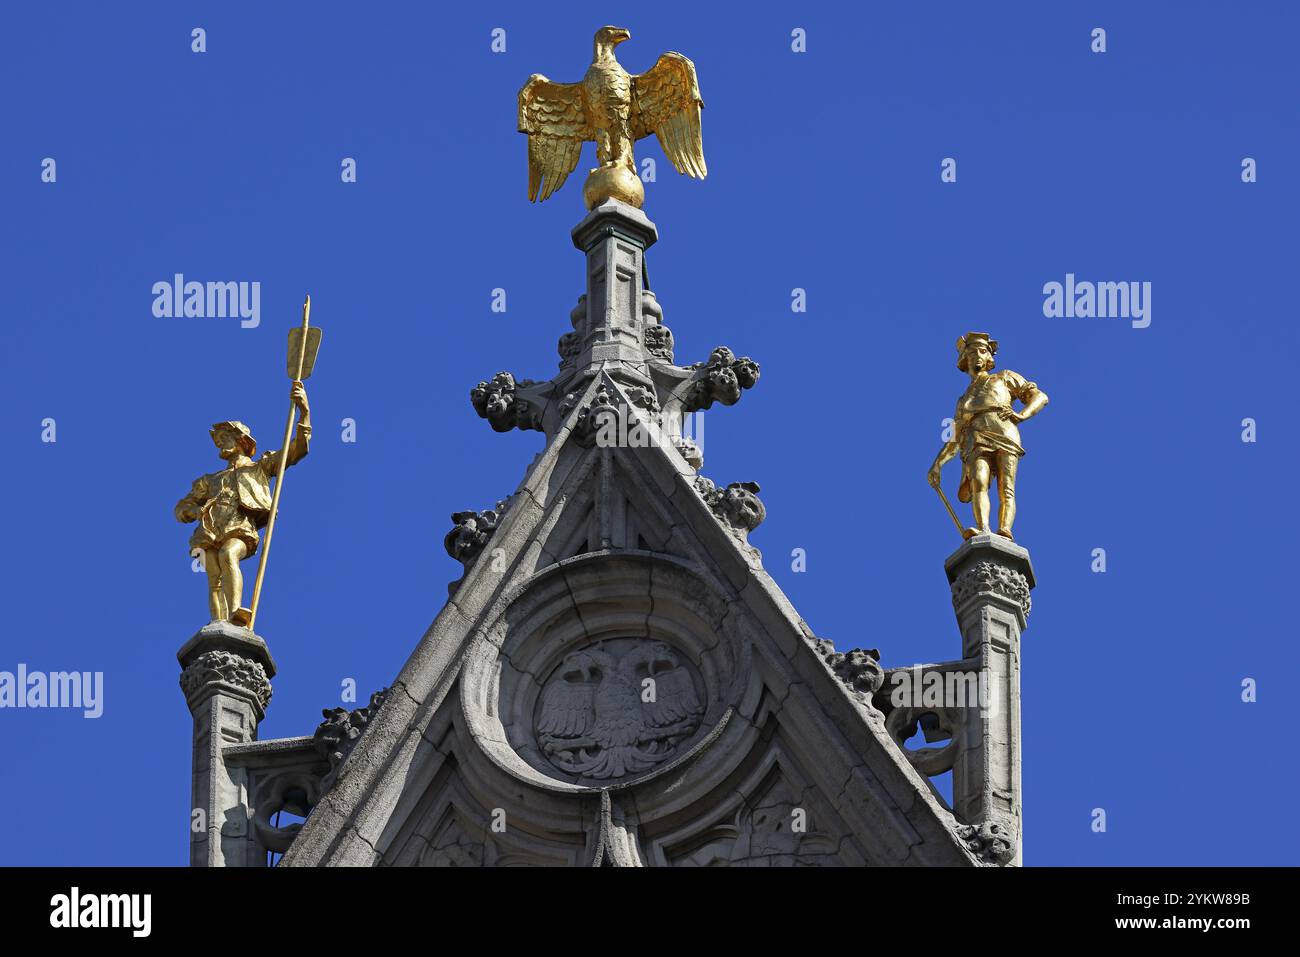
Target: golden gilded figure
x: 986, y: 434
x: 615, y: 109
x: 232, y: 505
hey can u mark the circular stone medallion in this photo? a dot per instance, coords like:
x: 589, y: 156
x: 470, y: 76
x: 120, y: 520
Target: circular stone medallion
x: 618, y: 707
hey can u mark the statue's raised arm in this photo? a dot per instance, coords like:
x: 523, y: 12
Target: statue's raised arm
x: 301, y: 444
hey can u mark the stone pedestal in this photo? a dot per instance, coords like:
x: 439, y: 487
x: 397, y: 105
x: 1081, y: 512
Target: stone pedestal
x: 615, y: 237
x: 991, y: 578
x: 226, y: 672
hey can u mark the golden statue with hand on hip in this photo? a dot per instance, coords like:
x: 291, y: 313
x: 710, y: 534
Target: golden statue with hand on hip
x: 985, y: 434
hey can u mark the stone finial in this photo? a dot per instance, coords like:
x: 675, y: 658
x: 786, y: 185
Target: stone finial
x: 499, y: 401
x: 721, y: 379
x: 618, y: 333
x: 471, y: 532
x: 337, y: 735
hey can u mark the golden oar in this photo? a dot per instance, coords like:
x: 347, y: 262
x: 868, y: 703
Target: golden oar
x: 946, y: 504
x: 304, y: 343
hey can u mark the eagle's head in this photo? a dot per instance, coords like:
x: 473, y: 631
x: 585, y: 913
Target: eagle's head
x: 607, y: 38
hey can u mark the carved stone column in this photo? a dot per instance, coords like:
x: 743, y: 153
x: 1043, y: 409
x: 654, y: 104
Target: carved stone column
x: 615, y: 237
x: 991, y: 578
x: 226, y: 672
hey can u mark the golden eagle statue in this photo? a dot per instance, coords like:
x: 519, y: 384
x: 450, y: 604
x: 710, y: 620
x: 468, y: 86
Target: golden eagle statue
x: 615, y: 109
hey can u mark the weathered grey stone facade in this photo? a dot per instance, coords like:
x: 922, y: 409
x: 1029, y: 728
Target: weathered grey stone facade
x: 615, y: 680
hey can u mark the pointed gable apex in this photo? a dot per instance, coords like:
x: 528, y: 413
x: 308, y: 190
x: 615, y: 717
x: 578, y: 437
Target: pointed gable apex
x: 617, y: 680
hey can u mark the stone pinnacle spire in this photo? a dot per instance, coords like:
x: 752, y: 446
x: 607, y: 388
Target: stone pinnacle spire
x: 618, y: 329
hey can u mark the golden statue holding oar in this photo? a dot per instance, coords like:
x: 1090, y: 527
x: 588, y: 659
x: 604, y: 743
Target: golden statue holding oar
x: 232, y: 504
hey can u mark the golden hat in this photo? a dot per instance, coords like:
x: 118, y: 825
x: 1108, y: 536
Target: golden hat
x: 964, y: 341
x: 246, y: 440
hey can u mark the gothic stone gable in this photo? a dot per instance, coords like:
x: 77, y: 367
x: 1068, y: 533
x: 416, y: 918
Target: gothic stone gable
x: 617, y: 682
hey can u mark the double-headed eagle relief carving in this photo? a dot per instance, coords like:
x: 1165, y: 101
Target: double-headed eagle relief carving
x: 615, y: 109
x: 607, y: 712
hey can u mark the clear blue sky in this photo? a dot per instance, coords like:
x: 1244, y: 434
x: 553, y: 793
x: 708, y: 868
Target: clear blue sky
x: 823, y: 174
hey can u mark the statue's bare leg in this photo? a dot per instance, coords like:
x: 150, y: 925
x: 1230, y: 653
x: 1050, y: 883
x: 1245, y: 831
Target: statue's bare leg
x: 232, y: 579
x: 216, y: 600
x: 979, y: 495
x: 1007, y: 464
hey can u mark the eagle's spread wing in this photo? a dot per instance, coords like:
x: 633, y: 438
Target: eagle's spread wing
x: 666, y: 102
x: 567, y: 709
x: 675, y: 699
x: 555, y: 119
